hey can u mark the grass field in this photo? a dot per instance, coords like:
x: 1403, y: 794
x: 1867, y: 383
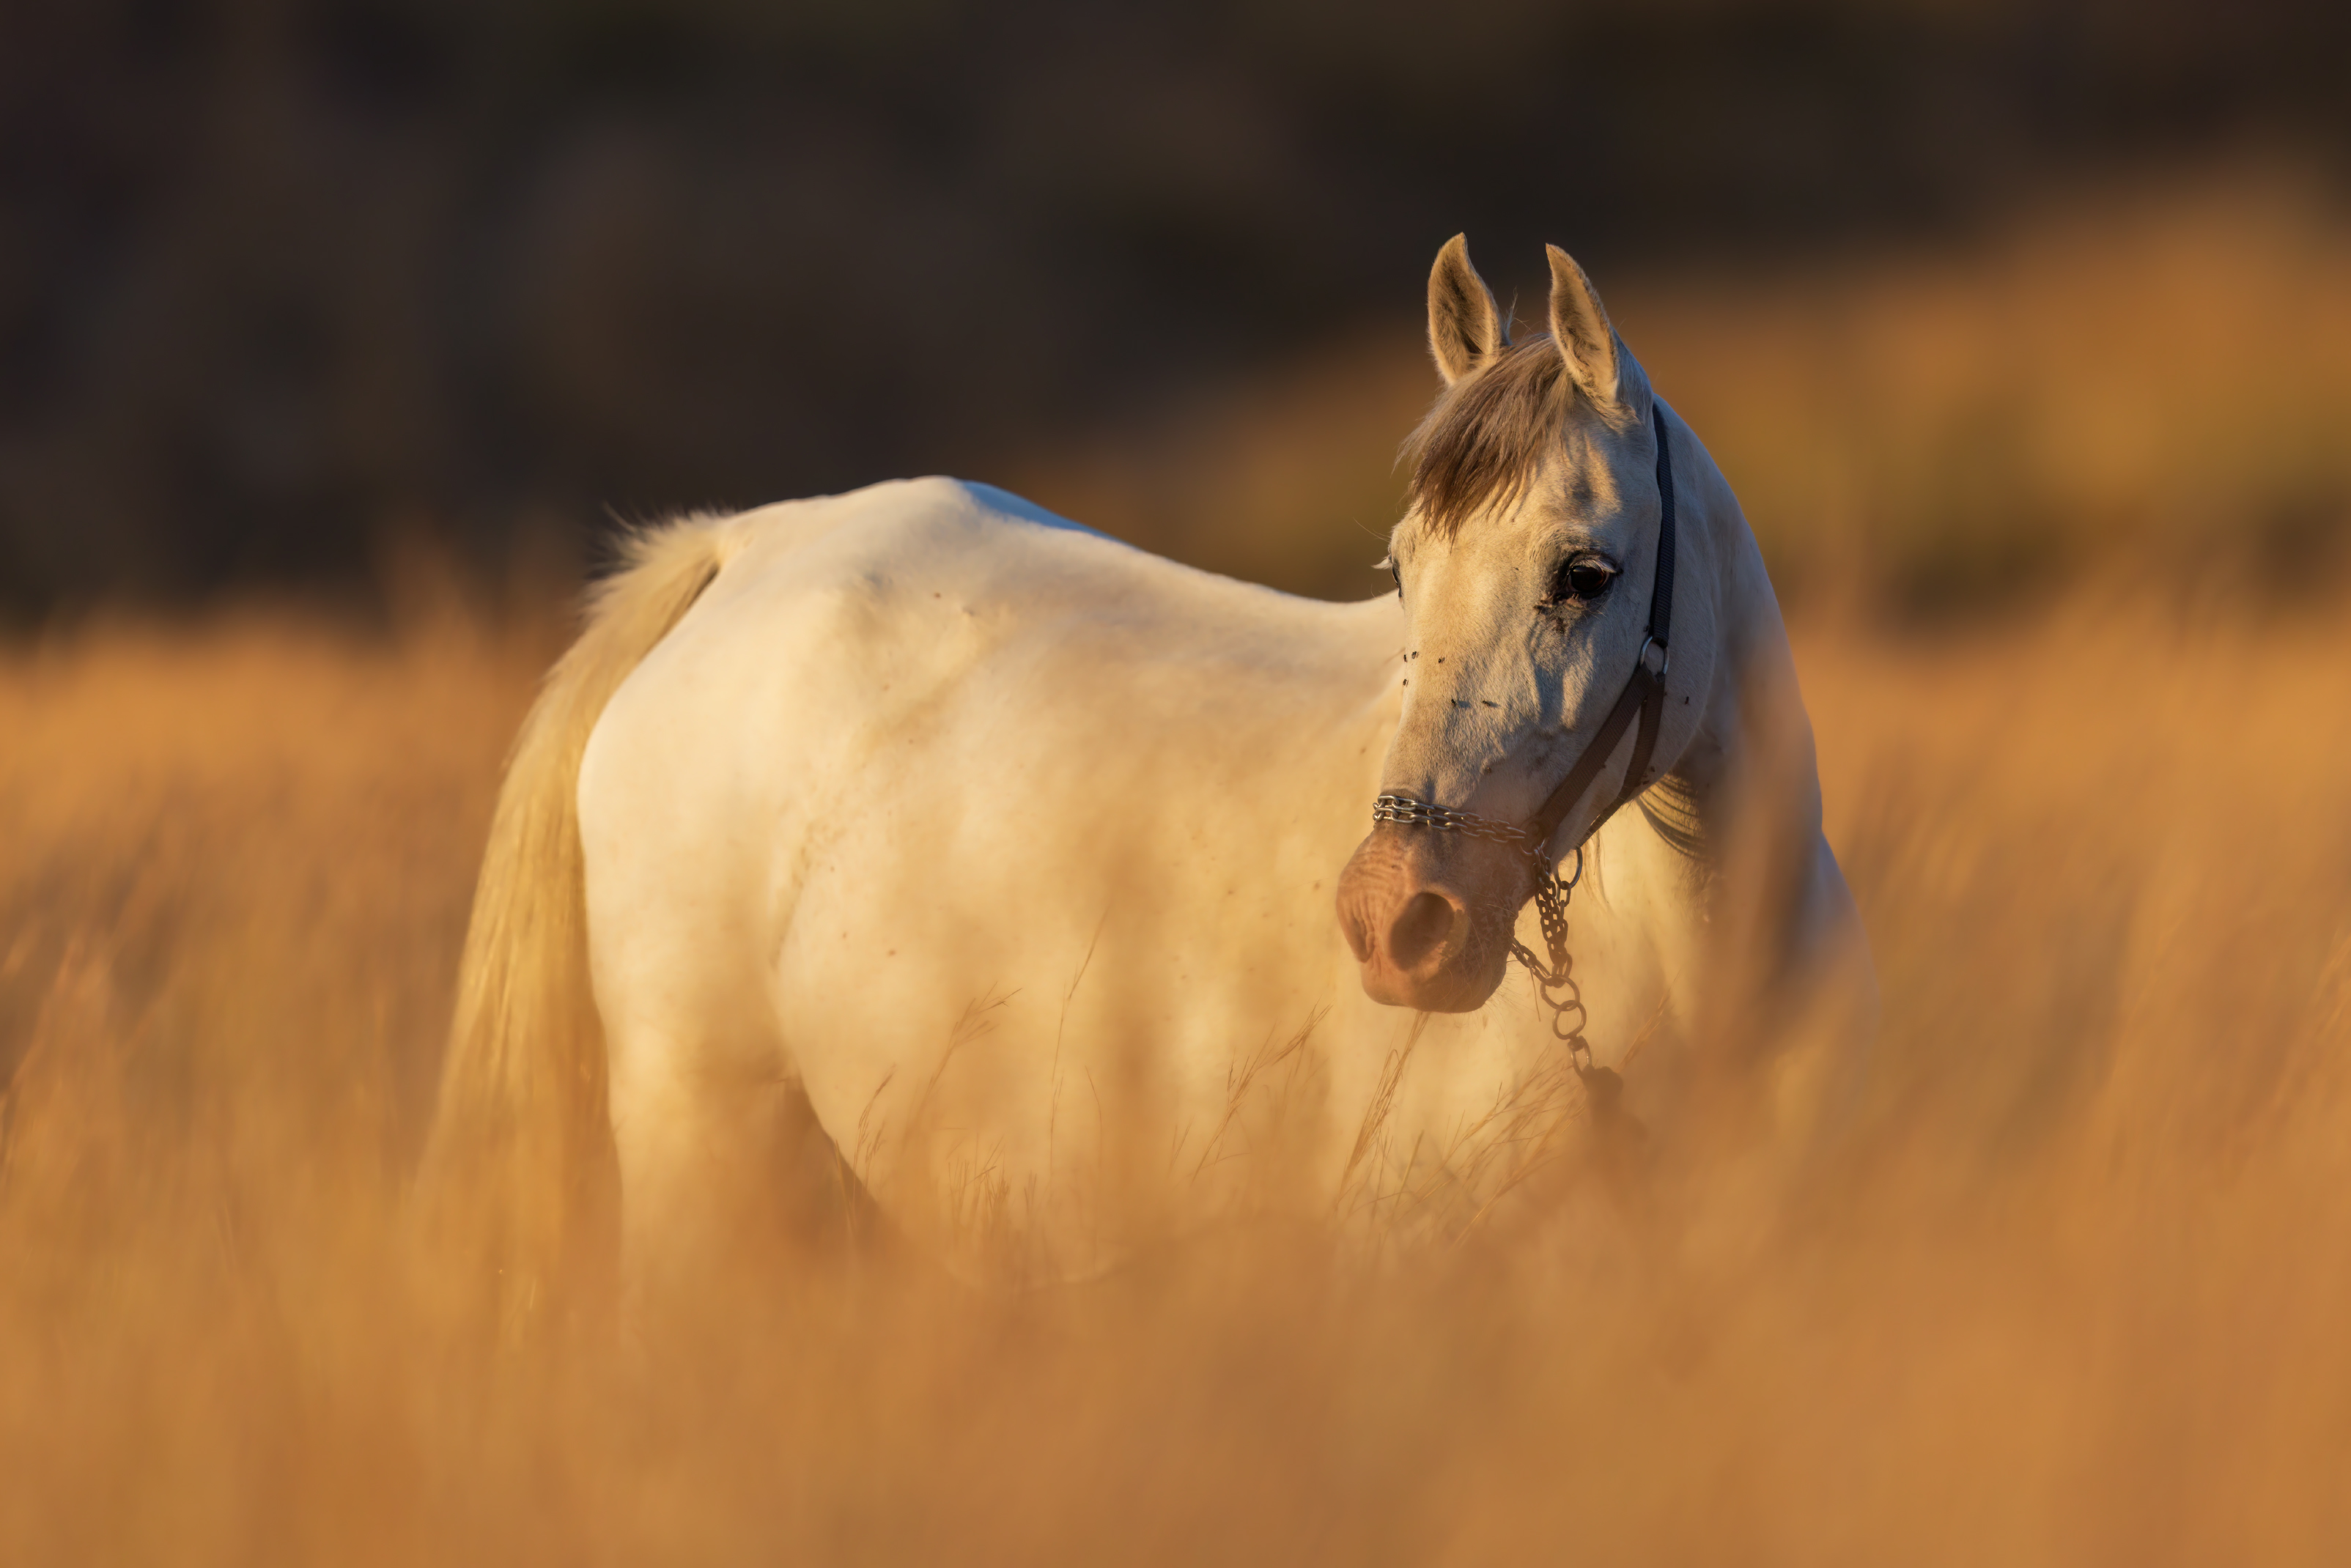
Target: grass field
x: 2075, y: 1296
x: 2071, y: 1293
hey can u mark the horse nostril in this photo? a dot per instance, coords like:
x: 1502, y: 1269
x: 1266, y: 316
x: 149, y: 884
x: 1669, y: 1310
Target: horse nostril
x: 1420, y: 928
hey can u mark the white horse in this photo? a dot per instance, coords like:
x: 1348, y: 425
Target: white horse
x: 1015, y: 850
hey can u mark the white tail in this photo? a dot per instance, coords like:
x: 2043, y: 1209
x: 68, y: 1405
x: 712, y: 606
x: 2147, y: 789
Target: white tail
x: 518, y: 1176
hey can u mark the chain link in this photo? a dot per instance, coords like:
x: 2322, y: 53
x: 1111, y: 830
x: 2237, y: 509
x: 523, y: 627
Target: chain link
x: 1414, y: 813
x: 1555, y: 980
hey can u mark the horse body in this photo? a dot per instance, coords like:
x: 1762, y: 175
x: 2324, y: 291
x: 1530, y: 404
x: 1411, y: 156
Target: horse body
x: 1002, y: 839
x: 1014, y: 850
x: 966, y: 819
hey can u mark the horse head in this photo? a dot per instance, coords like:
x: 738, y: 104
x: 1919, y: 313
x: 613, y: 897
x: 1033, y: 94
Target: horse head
x: 1527, y: 560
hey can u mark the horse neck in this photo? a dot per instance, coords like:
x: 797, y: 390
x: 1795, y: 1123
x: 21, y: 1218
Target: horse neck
x: 1748, y: 778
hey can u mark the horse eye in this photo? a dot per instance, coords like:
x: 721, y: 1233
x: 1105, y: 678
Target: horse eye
x: 1583, y: 579
x: 1397, y: 572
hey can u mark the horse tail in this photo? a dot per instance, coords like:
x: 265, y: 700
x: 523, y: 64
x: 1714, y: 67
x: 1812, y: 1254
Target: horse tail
x: 518, y: 1183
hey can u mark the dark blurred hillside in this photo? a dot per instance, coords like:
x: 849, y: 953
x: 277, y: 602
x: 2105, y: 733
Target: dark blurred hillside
x: 281, y: 280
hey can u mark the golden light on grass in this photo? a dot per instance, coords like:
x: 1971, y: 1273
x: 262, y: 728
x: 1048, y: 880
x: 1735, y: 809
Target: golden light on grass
x: 2072, y: 1294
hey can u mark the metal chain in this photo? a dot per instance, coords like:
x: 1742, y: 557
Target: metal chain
x: 1414, y: 813
x: 1555, y: 980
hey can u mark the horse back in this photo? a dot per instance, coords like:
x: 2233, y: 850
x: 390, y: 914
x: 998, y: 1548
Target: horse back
x: 934, y: 698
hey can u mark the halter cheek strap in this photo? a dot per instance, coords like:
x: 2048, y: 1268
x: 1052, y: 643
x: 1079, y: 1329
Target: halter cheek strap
x: 1643, y: 698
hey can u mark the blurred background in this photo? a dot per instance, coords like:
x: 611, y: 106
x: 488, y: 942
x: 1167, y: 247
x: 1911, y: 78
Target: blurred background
x: 292, y: 288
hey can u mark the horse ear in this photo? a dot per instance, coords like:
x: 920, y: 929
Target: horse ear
x: 1464, y: 330
x: 1580, y: 327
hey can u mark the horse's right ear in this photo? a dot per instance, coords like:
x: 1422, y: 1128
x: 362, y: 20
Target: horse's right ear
x: 1579, y: 325
x: 1464, y: 330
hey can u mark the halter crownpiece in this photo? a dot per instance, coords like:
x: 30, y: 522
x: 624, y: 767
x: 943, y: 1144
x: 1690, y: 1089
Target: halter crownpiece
x: 1644, y: 691
x: 1641, y: 706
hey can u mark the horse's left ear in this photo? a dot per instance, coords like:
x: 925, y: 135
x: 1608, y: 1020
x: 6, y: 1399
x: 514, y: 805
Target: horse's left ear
x: 1580, y: 327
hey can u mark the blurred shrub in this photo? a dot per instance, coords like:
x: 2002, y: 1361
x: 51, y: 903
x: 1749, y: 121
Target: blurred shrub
x: 2154, y: 384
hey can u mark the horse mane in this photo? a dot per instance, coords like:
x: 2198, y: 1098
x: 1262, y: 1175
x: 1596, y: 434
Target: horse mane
x: 1488, y: 433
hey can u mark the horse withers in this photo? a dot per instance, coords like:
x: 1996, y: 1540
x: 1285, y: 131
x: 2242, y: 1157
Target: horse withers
x: 1033, y: 869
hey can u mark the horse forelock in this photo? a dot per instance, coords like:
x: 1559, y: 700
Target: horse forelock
x: 1486, y: 438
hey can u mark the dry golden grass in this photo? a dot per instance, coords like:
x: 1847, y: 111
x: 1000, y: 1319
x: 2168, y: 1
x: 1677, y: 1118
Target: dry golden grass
x: 2073, y: 1295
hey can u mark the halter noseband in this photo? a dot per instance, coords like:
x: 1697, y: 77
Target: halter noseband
x: 1641, y: 706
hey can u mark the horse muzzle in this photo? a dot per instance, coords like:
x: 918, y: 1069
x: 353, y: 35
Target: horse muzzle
x: 1428, y: 915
